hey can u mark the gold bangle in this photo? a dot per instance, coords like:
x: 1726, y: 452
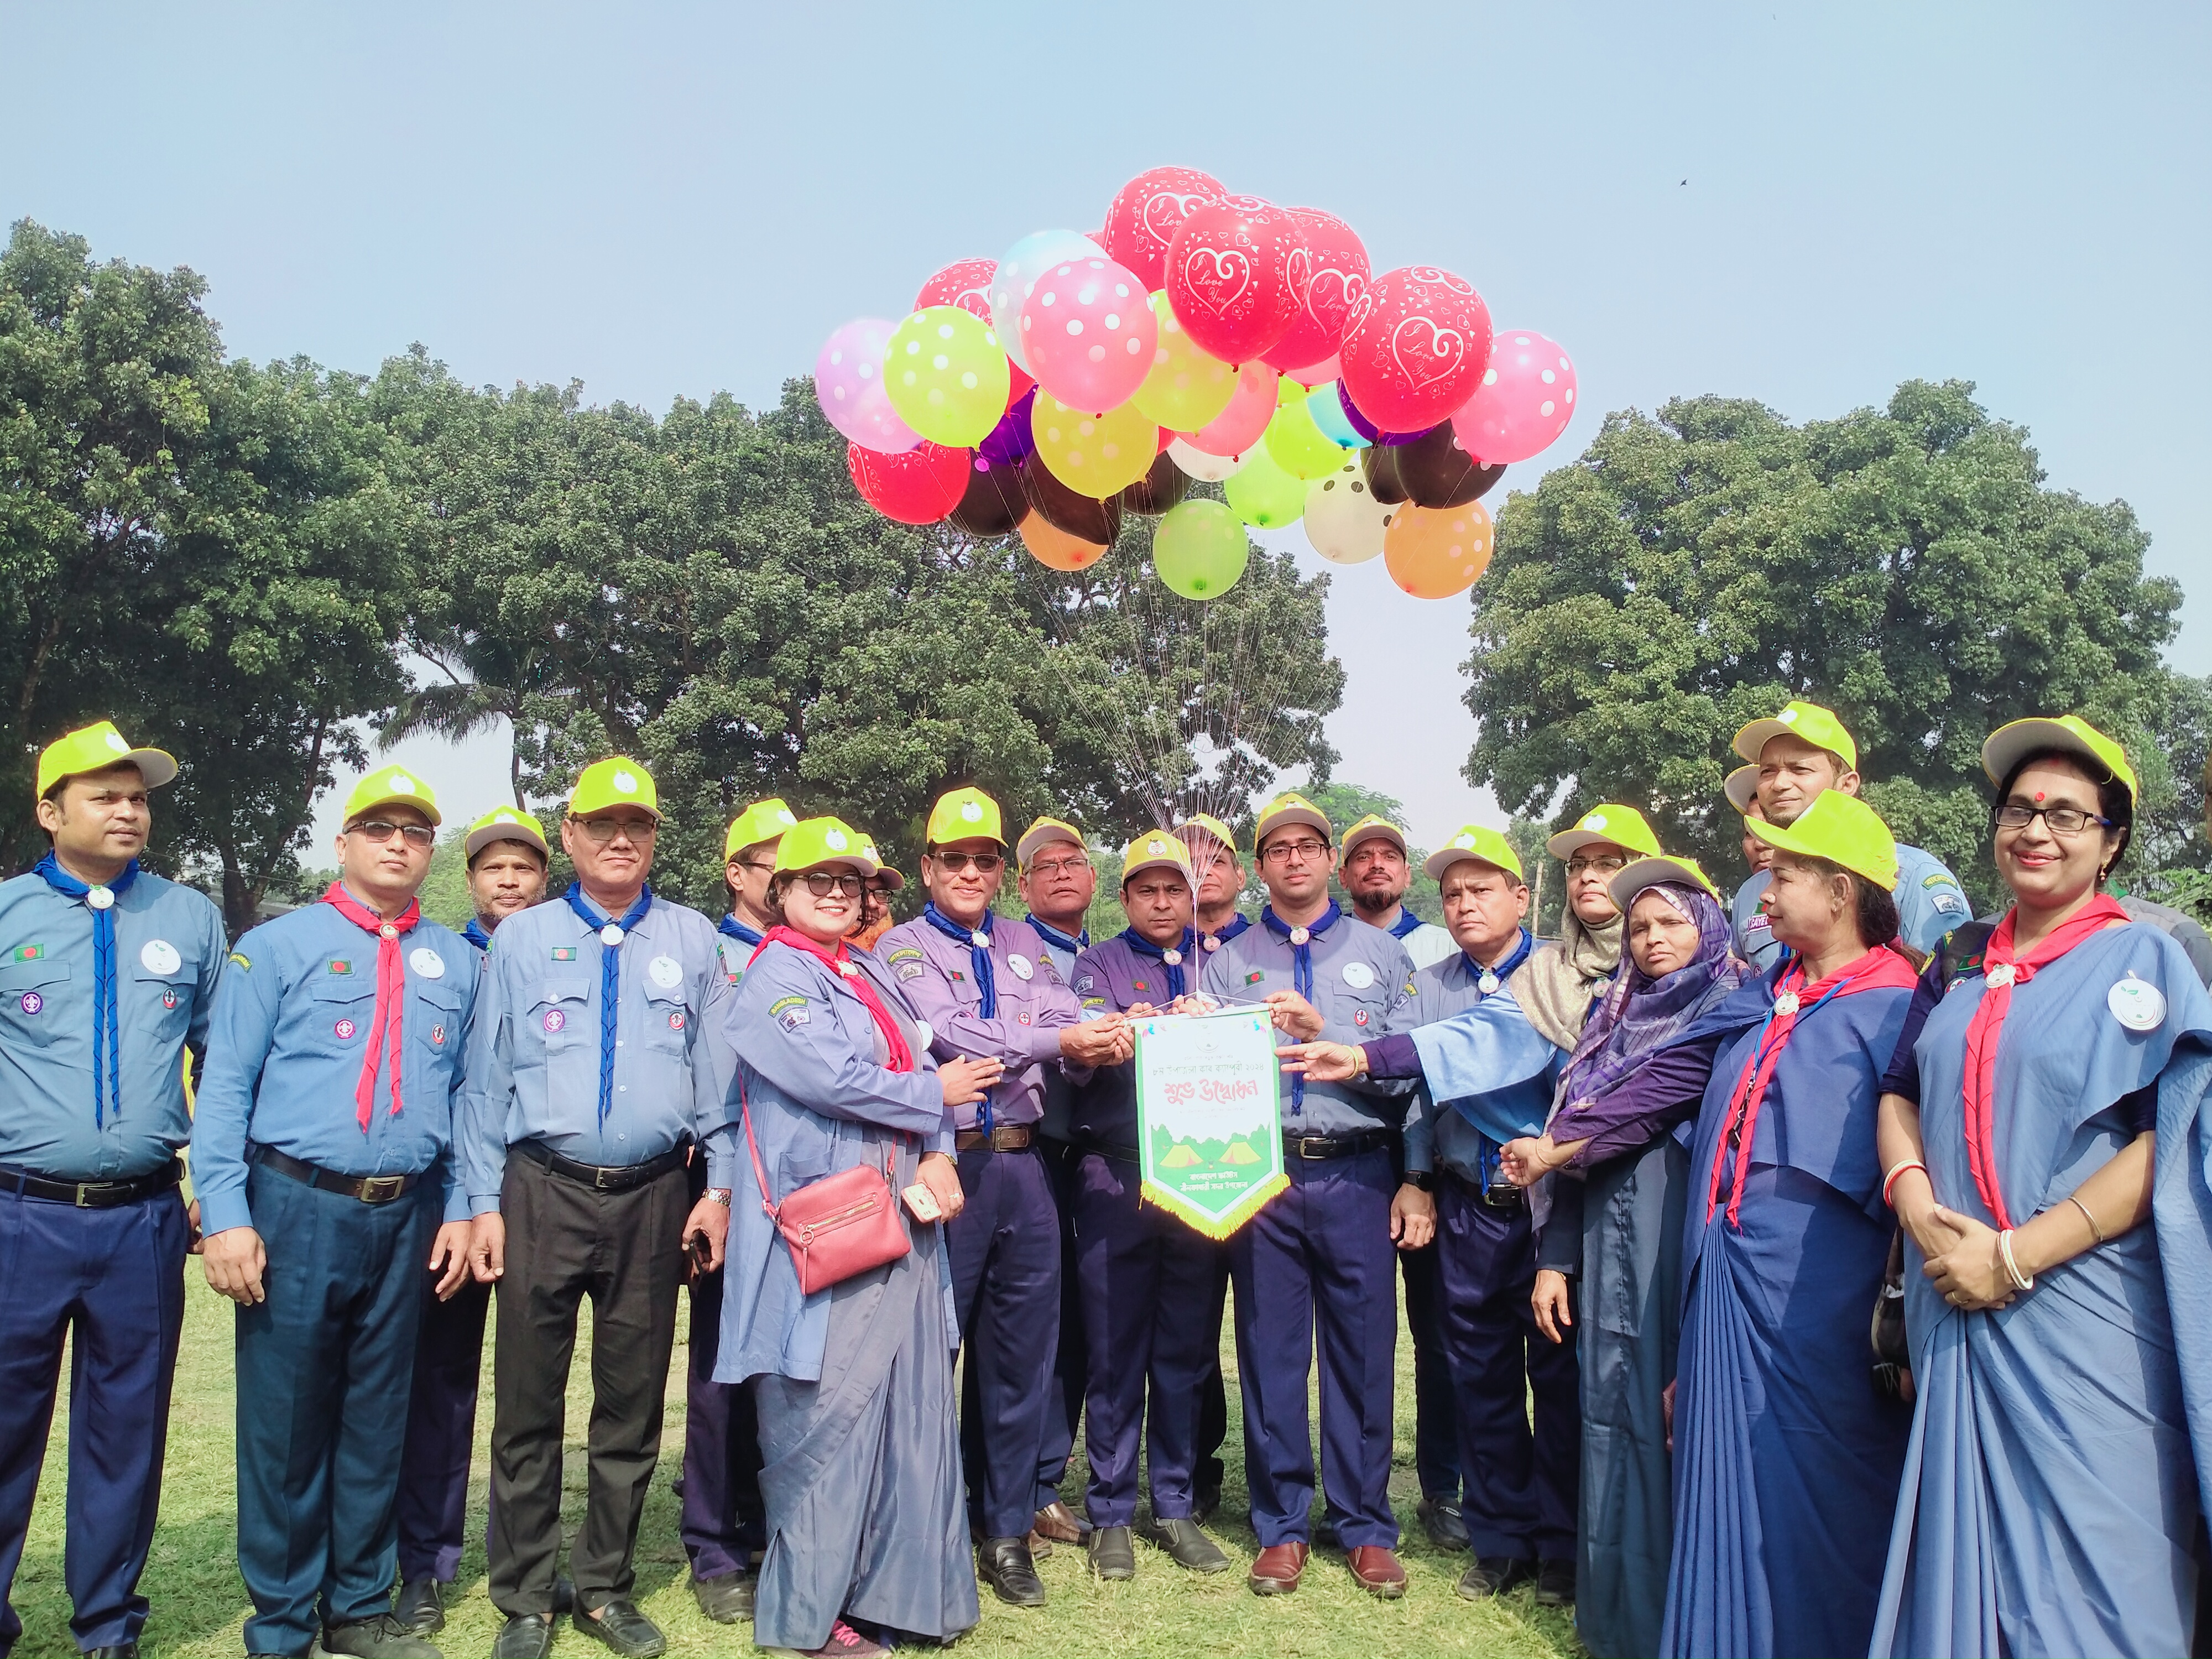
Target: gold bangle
x: 2087, y: 1217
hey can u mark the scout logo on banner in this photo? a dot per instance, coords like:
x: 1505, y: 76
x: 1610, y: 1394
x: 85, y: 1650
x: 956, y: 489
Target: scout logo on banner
x: 1209, y: 1116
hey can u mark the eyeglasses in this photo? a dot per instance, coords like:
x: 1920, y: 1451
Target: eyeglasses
x: 1577, y: 868
x: 1059, y: 868
x: 418, y: 835
x: 600, y: 831
x: 755, y: 864
x: 821, y: 883
x: 2060, y: 820
x: 986, y: 863
x: 1285, y: 852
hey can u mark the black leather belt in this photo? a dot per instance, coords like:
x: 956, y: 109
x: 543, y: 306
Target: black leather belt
x: 1003, y: 1138
x: 605, y: 1177
x: 1314, y: 1148
x: 91, y: 1194
x: 369, y: 1189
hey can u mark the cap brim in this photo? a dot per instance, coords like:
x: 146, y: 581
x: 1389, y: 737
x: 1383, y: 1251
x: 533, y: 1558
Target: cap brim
x: 891, y: 879
x: 1307, y: 815
x: 1568, y: 842
x: 1437, y: 863
x: 479, y: 839
x: 426, y: 808
x: 156, y: 767
x: 1145, y: 864
x: 1376, y: 832
x: 1754, y: 738
x: 1741, y: 788
x: 1652, y: 873
x: 1028, y: 846
x: 2009, y: 745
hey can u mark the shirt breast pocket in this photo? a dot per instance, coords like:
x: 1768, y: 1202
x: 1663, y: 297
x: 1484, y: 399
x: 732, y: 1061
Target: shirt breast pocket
x: 31, y: 999
x: 345, y: 1008
x: 558, y: 1012
x: 437, y: 1022
x: 165, y: 999
x: 667, y: 1020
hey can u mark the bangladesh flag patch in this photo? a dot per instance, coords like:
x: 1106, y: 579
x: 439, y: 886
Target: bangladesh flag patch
x: 1256, y: 975
x: 564, y: 953
x: 29, y: 952
x: 340, y: 965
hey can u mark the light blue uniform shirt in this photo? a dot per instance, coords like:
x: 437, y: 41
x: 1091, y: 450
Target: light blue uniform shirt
x: 1929, y: 904
x: 292, y: 1023
x: 1506, y: 1068
x: 168, y: 955
x: 534, y: 1066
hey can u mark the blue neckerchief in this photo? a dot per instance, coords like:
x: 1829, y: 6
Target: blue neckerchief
x: 474, y: 933
x: 610, y: 982
x: 1071, y: 943
x: 106, y: 1030
x: 1405, y: 923
x: 1302, y: 979
x: 979, y: 955
x: 737, y: 930
x: 1485, y: 1149
x: 1504, y: 970
x: 1238, y: 924
x: 1145, y: 947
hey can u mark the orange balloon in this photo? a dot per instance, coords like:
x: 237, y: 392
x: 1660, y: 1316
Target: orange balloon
x: 1056, y: 549
x: 1434, y: 552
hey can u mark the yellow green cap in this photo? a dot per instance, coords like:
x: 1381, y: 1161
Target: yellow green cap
x: 1652, y: 873
x: 2008, y: 743
x: 764, y: 821
x: 618, y: 780
x: 390, y: 786
x: 506, y: 824
x: 1286, y: 810
x: 95, y: 748
x: 1807, y: 721
x: 893, y: 882
x: 1042, y: 834
x: 1841, y: 829
x: 1624, y: 826
x: 813, y: 843
x: 1157, y: 849
x: 1374, y: 826
x: 963, y: 815
x: 1742, y: 788
x: 1475, y: 842
x: 1208, y: 824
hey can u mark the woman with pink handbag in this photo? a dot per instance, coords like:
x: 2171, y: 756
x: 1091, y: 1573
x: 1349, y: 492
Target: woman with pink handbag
x: 837, y: 1306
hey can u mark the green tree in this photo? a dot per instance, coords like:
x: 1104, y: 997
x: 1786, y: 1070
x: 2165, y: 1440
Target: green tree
x: 1905, y: 566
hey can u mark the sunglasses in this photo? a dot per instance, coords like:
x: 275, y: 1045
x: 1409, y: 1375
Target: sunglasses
x: 821, y: 883
x: 382, y: 830
x: 986, y: 863
x: 600, y: 831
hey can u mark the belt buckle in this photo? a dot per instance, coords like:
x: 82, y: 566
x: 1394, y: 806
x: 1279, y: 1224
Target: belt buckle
x: 1307, y: 1143
x: 84, y: 1187
x: 599, y: 1174
x: 381, y: 1190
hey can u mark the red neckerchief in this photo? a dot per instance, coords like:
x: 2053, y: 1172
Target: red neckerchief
x: 2002, y: 970
x: 850, y: 976
x: 390, y: 992
x: 1881, y: 968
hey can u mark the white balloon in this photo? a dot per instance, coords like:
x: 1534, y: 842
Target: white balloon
x: 1343, y: 520
x: 1208, y: 469
x: 1018, y: 272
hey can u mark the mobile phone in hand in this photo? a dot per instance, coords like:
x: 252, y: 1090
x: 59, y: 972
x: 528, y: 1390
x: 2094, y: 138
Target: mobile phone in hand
x: 923, y: 1202
x: 702, y: 1253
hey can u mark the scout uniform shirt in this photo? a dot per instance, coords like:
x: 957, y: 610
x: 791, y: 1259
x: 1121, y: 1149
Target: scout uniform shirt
x: 167, y: 959
x: 1111, y: 977
x: 1361, y: 985
x: 535, y: 1057
x: 1517, y: 1082
x: 293, y: 1025
x: 1929, y: 904
x: 936, y: 972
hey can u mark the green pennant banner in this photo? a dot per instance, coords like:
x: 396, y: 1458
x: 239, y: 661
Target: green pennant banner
x: 1209, y: 1116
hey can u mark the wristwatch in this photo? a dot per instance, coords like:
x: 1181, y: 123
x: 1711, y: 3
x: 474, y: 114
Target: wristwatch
x: 1422, y: 1179
x: 719, y: 1195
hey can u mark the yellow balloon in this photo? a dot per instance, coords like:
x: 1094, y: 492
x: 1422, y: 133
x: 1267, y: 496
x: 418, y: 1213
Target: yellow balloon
x: 1094, y: 455
x: 1187, y: 389
x: 945, y: 374
x: 1300, y: 447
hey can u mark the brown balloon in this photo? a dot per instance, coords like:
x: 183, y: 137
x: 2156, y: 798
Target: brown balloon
x: 1435, y: 471
x: 993, y: 504
x: 1380, y: 463
x: 1158, y: 490
x: 1078, y: 515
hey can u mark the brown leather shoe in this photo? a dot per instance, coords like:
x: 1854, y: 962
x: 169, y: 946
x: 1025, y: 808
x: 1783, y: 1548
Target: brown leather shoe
x: 1377, y: 1570
x: 1279, y: 1568
x: 1057, y: 1522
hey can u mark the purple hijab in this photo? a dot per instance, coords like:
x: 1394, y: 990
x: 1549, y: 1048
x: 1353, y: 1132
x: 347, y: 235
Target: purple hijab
x: 1640, y: 1015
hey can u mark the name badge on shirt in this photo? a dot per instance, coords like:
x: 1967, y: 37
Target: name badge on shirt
x: 666, y: 972
x: 160, y: 957
x: 2137, y: 1004
x: 1359, y: 975
x: 428, y: 962
x: 1021, y: 966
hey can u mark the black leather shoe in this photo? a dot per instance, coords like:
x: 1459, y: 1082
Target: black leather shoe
x: 1555, y: 1582
x: 1493, y: 1576
x: 1005, y: 1565
x: 1442, y: 1521
x: 622, y: 1628
x: 1113, y: 1556
x: 421, y: 1609
x: 1187, y: 1547
x: 380, y: 1638
x: 525, y: 1635
x: 727, y: 1598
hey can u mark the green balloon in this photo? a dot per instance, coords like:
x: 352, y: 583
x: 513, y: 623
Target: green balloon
x: 1263, y: 494
x: 945, y: 374
x: 1199, y: 550
x: 1300, y: 447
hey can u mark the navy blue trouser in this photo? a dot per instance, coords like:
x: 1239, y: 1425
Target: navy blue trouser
x: 1436, y: 1409
x: 324, y: 1367
x: 1521, y: 1486
x: 1318, y: 1260
x: 1070, y: 1368
x: 1004, y: 1246
x: 1146, y: 1285
x: 441, y: 1431
x: 722, y: 1524
x: 111, y: 1282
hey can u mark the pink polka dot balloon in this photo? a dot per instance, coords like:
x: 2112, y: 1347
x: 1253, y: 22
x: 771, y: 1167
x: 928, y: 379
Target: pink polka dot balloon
x: 1526, y: 399
x: 848, y: 384
x: 1088, y: 333
x: 1415, y: 345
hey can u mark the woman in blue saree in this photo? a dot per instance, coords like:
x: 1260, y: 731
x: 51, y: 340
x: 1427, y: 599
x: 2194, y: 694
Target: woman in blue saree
x: 2046, y: 1153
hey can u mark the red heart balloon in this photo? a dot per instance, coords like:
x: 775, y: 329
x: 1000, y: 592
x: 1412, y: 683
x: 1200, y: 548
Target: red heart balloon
x: 1146, y: 215
x: 967, y: 283
x: 1232, y: 276
x: 919, y: 486
x: 1333, y: 276
x: 1415, y: 345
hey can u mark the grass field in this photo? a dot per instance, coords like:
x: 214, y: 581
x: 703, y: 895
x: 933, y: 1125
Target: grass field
x: 199, y: 1603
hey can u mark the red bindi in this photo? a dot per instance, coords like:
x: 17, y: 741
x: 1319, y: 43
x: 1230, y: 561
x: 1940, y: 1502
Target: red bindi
x: 2039, y: 794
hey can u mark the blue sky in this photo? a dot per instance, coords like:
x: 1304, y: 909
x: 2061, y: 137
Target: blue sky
x: 678, y: 199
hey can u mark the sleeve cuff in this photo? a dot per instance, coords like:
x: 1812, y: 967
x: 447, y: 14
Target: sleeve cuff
x: 457, y: 1205
x: 722, y: 1170
x: 222, y: 1212
x: 482, y: 1204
